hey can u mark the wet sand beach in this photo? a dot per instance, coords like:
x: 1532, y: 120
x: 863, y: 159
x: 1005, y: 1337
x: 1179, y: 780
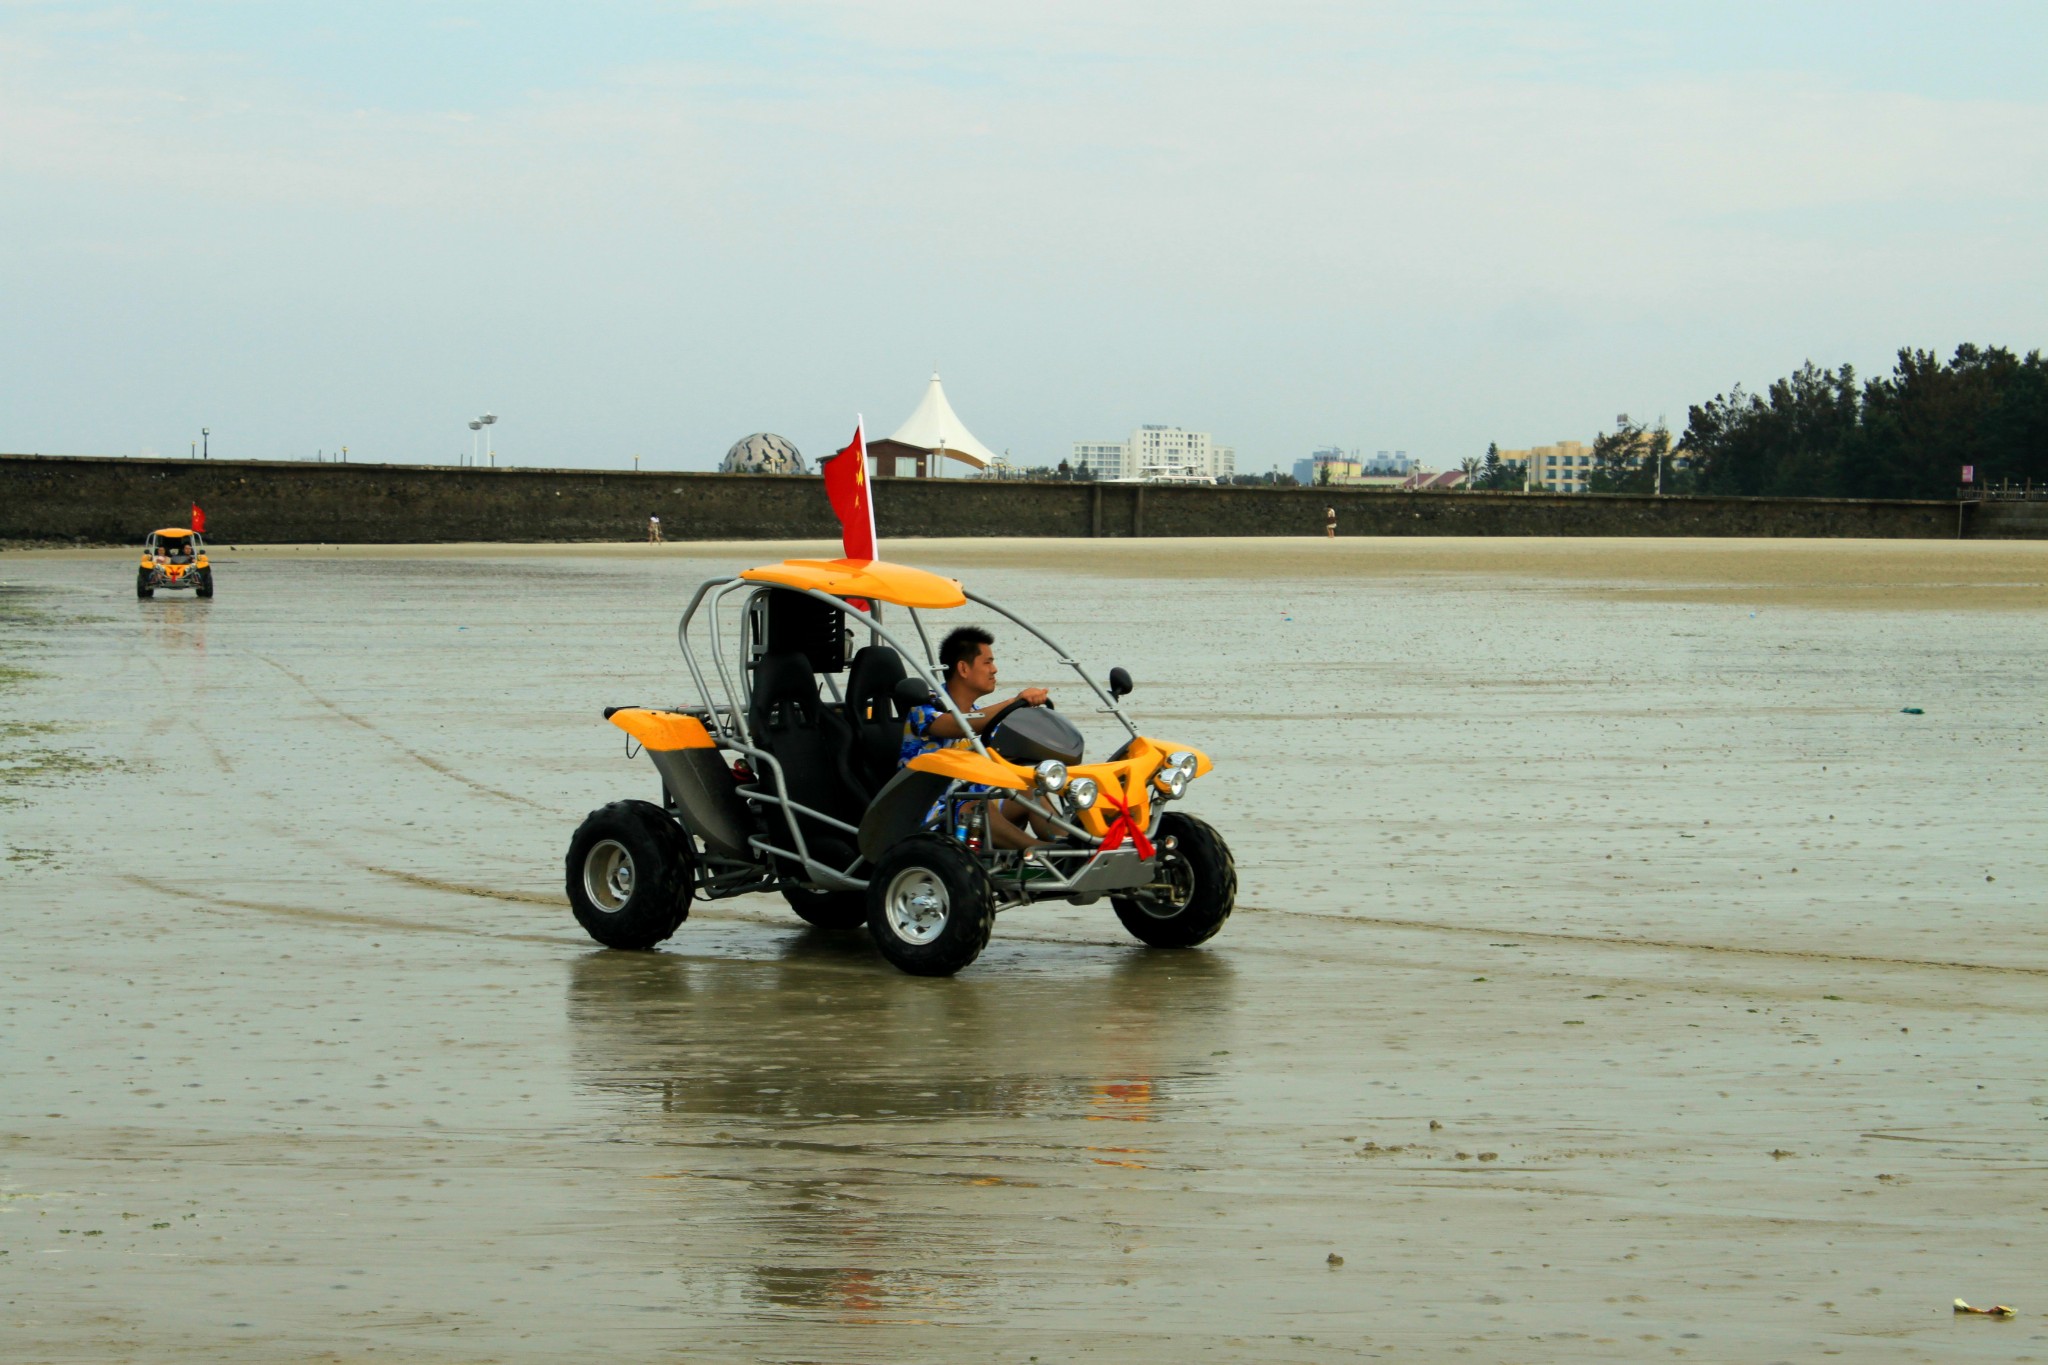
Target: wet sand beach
x: 1620, y: 973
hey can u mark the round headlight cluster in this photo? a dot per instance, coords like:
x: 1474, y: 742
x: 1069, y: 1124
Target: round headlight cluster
x: 1051, y: 775
x: 1174, y: 775
x: 1170, y: 781
x: 1081, y: 793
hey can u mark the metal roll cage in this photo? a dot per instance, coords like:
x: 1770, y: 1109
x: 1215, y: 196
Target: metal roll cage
x: 728, y: 725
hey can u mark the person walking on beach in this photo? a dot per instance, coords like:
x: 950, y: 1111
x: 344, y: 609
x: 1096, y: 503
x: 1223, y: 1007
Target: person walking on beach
x: 1330, y: 522
x: 654, y: 530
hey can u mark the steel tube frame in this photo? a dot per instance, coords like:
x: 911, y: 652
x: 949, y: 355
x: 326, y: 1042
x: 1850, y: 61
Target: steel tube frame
x: 1109, y: 703
x: 730, y: 721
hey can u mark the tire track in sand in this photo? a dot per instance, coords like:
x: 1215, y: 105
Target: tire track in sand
x: 1664, y: 944
x: 312, y: 914
x: 165, y: 721
x: 490, y: 893
x: 434, y: 765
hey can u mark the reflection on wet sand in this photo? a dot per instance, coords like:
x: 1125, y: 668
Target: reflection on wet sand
x: 729, y: 1040
x: 822, y: 1104
x: 175, y: 626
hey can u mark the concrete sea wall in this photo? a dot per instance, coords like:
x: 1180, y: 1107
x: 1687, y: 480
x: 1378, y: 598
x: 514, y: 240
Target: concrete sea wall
x: 2008, y: 520
x: 93, y: 500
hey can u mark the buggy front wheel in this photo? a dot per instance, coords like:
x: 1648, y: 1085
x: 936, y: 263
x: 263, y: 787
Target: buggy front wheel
x: 1194, y: 891
x: 143, y: 587
x: 630, y: 875
x: 931, y: 907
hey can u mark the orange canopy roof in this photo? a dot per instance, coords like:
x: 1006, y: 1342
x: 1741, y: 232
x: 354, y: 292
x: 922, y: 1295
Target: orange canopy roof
x: 871, y: 578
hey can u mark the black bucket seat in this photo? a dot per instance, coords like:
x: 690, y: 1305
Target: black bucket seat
x: 871, y: 713
x: 810, y: 741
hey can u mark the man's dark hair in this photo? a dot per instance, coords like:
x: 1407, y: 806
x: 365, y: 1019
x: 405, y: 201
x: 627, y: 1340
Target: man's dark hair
x: 961, y: 646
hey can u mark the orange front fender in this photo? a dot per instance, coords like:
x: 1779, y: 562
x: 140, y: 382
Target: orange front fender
x: 965, y: 765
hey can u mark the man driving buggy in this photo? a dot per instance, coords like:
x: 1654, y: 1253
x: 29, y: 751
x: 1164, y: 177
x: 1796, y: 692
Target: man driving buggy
x: 968, y: 657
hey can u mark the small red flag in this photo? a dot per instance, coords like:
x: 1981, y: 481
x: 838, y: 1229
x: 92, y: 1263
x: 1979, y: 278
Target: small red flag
x: 846, y: 484
x: 198, y: 519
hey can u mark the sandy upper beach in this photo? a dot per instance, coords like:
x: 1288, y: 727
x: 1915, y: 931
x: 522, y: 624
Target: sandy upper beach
x: 1913, y: 574
x: 1639, y: 956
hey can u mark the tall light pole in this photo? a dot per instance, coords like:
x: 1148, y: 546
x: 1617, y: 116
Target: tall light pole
x: 474, y: 427
x: 489, y: 419
x: 205, y: 451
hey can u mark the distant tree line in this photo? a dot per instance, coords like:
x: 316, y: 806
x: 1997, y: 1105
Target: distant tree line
x: 1907, y: 435
x: 1634, y: 458
x: 1820, y: 433
x: 1491, y: 474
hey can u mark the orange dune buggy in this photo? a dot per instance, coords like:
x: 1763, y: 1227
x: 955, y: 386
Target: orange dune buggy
x: 174, y: 558
x: 780, y: 776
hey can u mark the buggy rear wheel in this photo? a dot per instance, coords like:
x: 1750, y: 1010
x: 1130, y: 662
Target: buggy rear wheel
x: 1195, y: 890
x: 931, y: 906
x: 630, y: 873
x: 832, y: 909
x: 827, y: 908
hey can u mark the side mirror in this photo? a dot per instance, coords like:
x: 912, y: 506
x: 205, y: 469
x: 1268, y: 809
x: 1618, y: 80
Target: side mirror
x: 1119, y: 684
x: 912, y: 691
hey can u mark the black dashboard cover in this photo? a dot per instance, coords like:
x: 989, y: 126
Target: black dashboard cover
x: 1033, y: 734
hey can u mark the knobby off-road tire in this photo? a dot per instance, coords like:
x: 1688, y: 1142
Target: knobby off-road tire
x: 630, y: 875
x: 203, y: 587
x: 1203, y: 881
x: 827, y: 909
x: 142, y: 588
x: 931, y: 907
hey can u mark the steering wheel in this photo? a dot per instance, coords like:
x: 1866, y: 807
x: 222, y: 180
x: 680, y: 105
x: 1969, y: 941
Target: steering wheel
x: 995, y: 721
x: 1003, y: 714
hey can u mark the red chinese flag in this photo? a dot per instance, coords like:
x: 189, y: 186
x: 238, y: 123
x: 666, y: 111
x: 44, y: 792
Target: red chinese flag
x: 198, y: 519
x: 846, y: 484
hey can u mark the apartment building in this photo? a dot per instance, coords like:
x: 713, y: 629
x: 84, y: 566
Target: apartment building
x: 1157, y: 452
x: 1561, y: 468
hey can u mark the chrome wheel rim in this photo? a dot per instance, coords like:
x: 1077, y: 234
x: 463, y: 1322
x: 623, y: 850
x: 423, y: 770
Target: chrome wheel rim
x: 916, y: 905
x: 608, y: 876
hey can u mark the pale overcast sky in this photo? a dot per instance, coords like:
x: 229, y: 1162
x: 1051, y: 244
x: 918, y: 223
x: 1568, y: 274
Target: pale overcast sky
x: 646, y: 227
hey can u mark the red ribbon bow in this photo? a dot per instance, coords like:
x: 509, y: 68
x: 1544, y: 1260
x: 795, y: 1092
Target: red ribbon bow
x: 1122, y: 825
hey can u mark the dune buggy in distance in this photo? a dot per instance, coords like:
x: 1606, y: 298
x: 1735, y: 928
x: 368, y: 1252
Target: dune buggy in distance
x: 174, y: 558
x: 781, y: 777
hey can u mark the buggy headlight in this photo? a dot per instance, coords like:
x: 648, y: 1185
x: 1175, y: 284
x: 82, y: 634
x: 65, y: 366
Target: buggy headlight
x: 1051, y: 775
x: 1171, y: 781
x: 1081, y: 791
x: 1182, y: 761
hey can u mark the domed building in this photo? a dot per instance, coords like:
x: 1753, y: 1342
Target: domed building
x: 763, y: 453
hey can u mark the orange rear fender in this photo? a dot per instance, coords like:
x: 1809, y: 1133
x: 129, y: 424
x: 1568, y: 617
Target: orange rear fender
x: 663, y: 731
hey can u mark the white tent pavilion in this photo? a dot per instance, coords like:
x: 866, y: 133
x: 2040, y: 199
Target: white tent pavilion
x: 934, y: 429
